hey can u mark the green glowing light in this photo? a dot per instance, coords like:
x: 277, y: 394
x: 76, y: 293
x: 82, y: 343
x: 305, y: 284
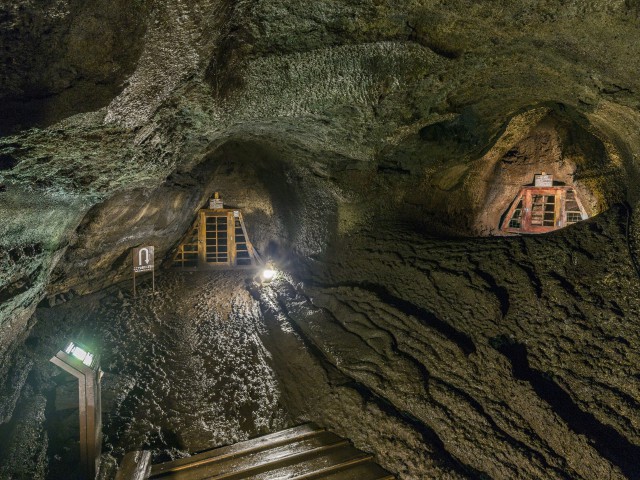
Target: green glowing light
x: 79, y: 353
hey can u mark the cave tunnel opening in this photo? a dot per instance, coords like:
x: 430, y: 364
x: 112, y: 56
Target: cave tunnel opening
x: 558, y: 172
x: 377, y: 298
x: 441, y: 188
x: 254, y: 180
x: 273, y: 195
x: 461, y: 179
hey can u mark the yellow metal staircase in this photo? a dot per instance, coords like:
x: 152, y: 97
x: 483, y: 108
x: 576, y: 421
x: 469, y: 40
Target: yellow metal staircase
x: 305, y: 452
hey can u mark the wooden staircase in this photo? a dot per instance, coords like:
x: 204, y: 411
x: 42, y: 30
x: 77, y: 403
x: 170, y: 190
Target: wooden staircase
x: 305, y: 452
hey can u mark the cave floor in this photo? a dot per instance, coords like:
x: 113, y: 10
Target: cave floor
x: 185, y: 369
x: 210, y: 359
x: 470, y: 358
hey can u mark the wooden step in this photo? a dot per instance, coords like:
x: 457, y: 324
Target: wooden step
x: 241, y: 448
x: 306, y: 452
x: 313, y: 465
x: 351, y: 470
x: 256, y: 461
x: 272, y: 464
x: 299, y: 465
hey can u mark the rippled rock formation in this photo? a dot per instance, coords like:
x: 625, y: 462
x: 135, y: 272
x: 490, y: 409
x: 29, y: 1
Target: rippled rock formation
x: 350, y: 134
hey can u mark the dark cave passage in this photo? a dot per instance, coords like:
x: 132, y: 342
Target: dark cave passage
x: 425, y: 263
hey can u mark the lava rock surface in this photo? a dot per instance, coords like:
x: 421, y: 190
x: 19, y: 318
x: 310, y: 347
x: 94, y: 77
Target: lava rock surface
x: 370, y: 145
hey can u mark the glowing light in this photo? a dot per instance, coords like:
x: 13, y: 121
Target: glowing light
x: 79, y: 353
x: 268, y: 274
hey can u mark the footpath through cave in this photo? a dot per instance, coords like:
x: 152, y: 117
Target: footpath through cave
x: 436, y: 340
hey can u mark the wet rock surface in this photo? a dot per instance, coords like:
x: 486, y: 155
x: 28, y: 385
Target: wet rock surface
x: 365, y: 142
x: 180, y: 376
x: 508, y: 349
x: 467, y: 358
x: 401, y: 99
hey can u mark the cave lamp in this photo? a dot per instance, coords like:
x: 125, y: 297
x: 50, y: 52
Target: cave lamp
x: 85, y: 366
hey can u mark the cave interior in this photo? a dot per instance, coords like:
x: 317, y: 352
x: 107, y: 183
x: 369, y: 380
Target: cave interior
x: 427, y: 299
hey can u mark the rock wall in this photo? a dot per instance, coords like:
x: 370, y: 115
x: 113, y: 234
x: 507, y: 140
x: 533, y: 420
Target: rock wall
x: 62, y: 57
x: 515, y: 355
x: 319, y: 119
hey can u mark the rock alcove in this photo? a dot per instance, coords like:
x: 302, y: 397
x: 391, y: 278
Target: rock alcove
x: 558, y: 147
x: 373, y: 148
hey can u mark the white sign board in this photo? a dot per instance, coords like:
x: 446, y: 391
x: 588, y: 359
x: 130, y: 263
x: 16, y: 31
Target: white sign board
x: 216, y: 203
x: 143, y: 259
x: 543, y: 180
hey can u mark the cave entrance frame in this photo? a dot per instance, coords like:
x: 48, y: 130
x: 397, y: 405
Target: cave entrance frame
x: 543, y: 209
x: 218, y: 239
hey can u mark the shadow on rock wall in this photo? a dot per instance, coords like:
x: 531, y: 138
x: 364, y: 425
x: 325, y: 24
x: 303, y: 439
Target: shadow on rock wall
x: 64, y: 57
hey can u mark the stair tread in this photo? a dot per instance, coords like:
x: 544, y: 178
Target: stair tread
x: 366, y: 470
x: 312, y: 467
x: 237, y: 449
x: 307, y: 467
x: 272, y: 465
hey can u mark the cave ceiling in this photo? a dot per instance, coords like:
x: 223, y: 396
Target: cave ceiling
x: 319, y: 119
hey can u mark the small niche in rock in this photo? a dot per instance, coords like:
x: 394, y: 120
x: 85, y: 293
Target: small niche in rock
x: 583, y: 177
x: 7, y: 162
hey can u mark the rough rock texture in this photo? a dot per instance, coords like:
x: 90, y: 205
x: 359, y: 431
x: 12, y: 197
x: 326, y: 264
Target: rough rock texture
x: 517, y: 353
x: 198, y: 376
x: 469, y: 358
x: 62, y: 57
x: 324, y: 120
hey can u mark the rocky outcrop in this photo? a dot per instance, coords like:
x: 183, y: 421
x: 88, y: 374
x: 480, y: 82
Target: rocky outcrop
x: 319, y: 120
x: 516, y: 355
